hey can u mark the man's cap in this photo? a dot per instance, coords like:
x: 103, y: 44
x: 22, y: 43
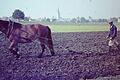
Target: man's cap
x: 110, y: 21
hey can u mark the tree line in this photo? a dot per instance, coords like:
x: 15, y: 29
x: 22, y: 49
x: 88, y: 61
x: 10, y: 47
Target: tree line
x: 19, y: 15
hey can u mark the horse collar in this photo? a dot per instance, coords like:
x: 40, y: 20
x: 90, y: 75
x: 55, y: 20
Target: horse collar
x: 10, y: 23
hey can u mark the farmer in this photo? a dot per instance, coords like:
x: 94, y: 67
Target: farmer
x: 112, y: 36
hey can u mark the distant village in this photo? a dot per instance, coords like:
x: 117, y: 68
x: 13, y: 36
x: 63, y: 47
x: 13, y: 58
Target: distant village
x: 58, y: 19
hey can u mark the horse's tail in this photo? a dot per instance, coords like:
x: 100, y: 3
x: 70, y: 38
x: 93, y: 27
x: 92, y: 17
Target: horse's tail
x: 49, y: 36
x: 46, y: 38
x: 50, y: 41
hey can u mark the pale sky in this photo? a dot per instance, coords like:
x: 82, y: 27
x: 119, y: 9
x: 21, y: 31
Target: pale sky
x: 68, y: 8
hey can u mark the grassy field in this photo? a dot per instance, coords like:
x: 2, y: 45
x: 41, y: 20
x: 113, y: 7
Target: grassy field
x: 81, y: 27
x: 76, y: 27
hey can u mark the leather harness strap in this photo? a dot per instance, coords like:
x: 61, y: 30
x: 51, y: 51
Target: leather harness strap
x: 10, y: 28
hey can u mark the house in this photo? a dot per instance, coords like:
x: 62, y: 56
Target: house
x: 119, y: 19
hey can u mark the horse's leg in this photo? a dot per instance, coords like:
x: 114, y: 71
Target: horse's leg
x: 50, y: 44
x: 43, y: 49
x: 13, y: 48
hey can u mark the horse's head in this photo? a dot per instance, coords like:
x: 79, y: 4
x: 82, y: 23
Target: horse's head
x: 4, y: 25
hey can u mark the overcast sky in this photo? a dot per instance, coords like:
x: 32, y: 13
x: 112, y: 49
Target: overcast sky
x: 68, y: 8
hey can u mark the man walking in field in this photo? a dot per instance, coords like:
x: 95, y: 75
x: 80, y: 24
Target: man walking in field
x: 112, y: 36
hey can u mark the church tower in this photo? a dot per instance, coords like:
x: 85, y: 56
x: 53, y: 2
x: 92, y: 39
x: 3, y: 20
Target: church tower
x: 59, y: 14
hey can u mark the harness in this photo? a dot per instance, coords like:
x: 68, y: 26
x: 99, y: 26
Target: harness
x: 10, y: 28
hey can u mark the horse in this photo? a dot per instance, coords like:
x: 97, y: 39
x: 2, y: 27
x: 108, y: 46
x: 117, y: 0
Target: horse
x: 26, y: 33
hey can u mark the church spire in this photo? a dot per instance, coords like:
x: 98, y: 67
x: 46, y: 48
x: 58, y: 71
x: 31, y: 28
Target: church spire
x: 59, y: 14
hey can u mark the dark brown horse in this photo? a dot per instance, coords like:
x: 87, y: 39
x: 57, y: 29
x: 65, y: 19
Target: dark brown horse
x: 19, y: 33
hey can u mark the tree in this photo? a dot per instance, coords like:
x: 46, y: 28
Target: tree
x: 83, y: 20
x: 18, y: 14
x: 114, y: 19
x: 78, y: 19
x: 48, y: 19
x: 74, y: 20
x: 54, y: 20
